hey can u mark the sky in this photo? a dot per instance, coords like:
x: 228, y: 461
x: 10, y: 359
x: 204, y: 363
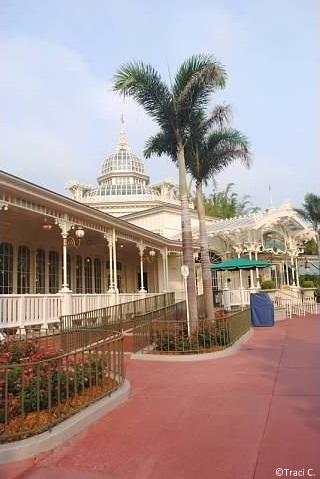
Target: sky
x: 60, y: 119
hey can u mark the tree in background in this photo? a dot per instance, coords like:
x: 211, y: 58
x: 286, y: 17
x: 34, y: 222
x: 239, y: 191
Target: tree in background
x: 227, y: 203
x: 174, y: 109
x: 310, y: 211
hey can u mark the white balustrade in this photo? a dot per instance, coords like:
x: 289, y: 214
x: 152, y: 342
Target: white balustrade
x: 19, y: 310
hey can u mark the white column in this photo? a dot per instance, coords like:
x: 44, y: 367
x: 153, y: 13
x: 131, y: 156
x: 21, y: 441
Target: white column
x: 293, y: 271
x: 141, y: 248
x: 164, y: 255
x: 66, y: 296
x: 65, y: 286
x: 108, y: 237
x: 64, y: 226
x: 257, y: 271
x: 286, y: 270
x: 115, y: 273
x: 297, y: 271
x: 167, y: 270
x: 251, y: 272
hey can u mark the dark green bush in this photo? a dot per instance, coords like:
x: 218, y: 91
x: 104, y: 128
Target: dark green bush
x: 307, y: 284
x: 268, y: 284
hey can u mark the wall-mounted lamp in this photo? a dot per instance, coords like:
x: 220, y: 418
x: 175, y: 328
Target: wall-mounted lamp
x: 152, y: 252
x: 4, y: 205
x: 75, y: 242
x: 45, y: 225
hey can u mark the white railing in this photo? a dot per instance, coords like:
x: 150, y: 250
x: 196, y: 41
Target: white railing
x: 296, y: 303
x: 236, y: 297
x: 19, y: 310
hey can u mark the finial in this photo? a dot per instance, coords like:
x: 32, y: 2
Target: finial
x: 270, y: 198
x: 123, y: 144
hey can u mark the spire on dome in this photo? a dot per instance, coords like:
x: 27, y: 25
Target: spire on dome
x: 123, y: 144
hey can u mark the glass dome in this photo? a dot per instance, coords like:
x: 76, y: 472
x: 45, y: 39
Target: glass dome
x: 122, y: 160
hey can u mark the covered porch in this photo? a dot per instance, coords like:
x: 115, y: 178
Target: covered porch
x: 58, y: 256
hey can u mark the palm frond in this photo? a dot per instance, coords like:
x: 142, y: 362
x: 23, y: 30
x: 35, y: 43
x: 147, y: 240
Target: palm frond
x: 216, y: 151
x: 161, y: 144
x: 197, y: 78
x: 143, y: 83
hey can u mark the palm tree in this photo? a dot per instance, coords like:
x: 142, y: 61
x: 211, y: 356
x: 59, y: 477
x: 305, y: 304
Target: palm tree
x: 173, y: 108
x: 211, y: 151
x: 310, y: 211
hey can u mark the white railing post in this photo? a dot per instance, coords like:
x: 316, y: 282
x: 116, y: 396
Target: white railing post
x: 226, y: 298
x: 45, y: 311
x: 66, y: 303
x: 21, y: 311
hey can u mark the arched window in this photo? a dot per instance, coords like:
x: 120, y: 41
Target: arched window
x: 97, y: 275
x: 88, y: 275
x: 23, y: 276
x: 78, y: 274
x: 53, y: 272
x: 6, y: 268
x: 40, y: 271
x: 274, y: 241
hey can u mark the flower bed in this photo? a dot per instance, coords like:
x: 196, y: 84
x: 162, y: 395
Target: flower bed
x: 208, y: 336
x: 39, y: 388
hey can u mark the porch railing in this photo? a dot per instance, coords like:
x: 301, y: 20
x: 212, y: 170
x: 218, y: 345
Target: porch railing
x: 44, y: 311
x: 118, y: 317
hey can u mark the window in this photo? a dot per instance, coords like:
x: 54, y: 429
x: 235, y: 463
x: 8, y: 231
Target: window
x: 6, y: 268
x: 97, y: 275
x: 40, y: 271
x: 78, y: 274
x: 23, y: 276
x: 69, y: 270
x: 88, y: 275
x: 274, y: 241
x: 53, y: 272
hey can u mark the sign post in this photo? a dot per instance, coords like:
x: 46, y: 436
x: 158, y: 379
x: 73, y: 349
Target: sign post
x: 185, y: 274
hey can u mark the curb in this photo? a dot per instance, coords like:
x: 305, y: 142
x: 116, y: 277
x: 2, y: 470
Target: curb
x: 33, y: 446
x: 195, y: 357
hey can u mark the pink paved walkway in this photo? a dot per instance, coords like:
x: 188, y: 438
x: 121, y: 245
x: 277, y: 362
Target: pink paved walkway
x: 238, y: 417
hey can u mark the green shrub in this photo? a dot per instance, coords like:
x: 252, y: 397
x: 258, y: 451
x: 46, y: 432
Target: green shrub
x: 307, y: 284
x: 174, y: 336
x: 268, y: 284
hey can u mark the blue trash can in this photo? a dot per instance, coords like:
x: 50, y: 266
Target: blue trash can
x: 262, y: 310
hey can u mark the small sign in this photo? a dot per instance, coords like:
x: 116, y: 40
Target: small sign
x: 185, y: 270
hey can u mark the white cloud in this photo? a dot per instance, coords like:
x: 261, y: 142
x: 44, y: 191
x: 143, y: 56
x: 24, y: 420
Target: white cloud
x: 59, y: 120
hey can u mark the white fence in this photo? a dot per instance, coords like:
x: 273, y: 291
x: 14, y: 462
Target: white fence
x: 236, y: 297
x: 19, y: 310
x: 292, y: 302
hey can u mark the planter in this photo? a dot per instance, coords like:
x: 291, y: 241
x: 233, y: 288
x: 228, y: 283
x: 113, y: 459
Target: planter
x: 308, y: 293
x: 270, y: 292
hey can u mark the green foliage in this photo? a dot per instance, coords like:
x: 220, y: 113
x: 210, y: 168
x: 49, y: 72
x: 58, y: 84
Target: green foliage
x: 268, y: 284
x: 307, y: 284
x: 208, y: 334
x: 315, y: 280
x: 310, y: 247
x: 310, y: 210
x: 34, y: 379
x: 227, y: 204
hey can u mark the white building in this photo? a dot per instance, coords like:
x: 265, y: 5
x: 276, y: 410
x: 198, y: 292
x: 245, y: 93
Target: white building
x: 118, y: 239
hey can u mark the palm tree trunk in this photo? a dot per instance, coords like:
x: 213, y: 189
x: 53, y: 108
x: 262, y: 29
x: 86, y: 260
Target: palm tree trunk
x: 187, y: 248
x: 204, y: 255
